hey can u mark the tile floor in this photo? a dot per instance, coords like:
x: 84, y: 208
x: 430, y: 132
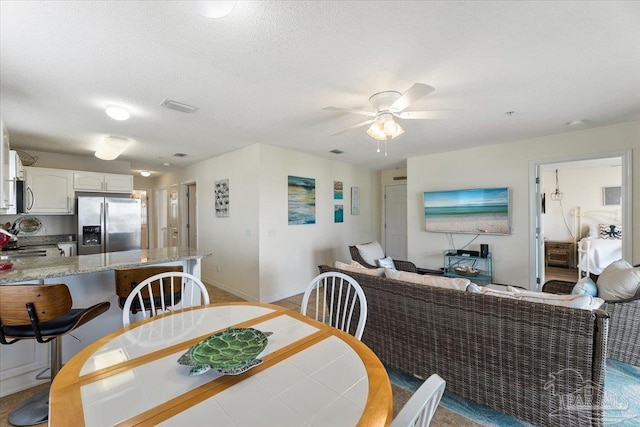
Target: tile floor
x: 443, y: 417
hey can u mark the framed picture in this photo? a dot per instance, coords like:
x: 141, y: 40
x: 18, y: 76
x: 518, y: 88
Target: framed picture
x: 355, y: 201
x: 302, y: 200
x: 222, y: 197
x: 337, y: 190
x: 338, y: 213
x: 611, y: 196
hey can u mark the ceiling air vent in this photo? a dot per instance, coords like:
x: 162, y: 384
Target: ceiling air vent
x: 179, y: 106
x: 336, y: 151
x: 179, y: 155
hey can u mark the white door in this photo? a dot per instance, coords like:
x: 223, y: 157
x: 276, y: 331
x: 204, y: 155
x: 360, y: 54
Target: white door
x: 161, y: 214
x: 173, y: 223
x: 395, y: 221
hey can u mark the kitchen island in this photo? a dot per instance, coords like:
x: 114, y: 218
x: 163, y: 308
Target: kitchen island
x: 90, y: 279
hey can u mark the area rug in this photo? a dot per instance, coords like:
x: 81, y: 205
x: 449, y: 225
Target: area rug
x: 621, y: 406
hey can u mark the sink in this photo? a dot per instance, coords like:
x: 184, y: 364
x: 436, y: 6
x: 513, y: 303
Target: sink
x: 23, y: 253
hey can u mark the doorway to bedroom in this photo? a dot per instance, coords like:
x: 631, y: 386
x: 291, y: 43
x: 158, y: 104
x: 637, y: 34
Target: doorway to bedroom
x: 574, y: 198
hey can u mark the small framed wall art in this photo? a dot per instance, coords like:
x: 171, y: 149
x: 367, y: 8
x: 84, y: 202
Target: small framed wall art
x: 222, y: 198
x: 355, y: 201
x: 611, y: 196
x: 337, y: 190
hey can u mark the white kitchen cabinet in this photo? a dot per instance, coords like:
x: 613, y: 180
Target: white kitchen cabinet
x: 103, y: 182
x: 5, y: 179
x: 49, y: 191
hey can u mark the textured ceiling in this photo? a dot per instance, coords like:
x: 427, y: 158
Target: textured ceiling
x: 263, y: 73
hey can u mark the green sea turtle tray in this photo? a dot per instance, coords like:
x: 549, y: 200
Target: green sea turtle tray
x: 230, y: 352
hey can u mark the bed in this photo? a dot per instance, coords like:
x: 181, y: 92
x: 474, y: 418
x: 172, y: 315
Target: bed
x: 598, y: 239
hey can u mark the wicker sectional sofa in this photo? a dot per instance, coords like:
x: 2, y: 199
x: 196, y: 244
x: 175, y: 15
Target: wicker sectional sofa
x: 532, y: 361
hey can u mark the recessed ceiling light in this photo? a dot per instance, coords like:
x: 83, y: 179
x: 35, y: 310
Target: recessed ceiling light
x: 212, y: 8
x: 336, y: 151
x: 575, y: 123
x: 111, y: 147
x: 117, y: 113
x: 166, y: 164
x: 145, y: 173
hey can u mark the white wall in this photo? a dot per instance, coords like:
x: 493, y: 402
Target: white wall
x: 507, y: 165
x: 290, y: 254
x: 232, y: 240
x: 256, y: 254
x: 580, y: 187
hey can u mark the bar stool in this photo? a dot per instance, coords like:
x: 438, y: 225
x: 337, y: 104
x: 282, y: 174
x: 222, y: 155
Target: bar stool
x: 43, y: 313
x: 128, y: 278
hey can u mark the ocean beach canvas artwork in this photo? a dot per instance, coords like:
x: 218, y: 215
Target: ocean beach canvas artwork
x: 302, y: 200
x: 475, y: 211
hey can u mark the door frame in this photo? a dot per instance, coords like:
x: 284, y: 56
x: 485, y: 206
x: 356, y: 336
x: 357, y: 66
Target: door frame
x: 535, y: 216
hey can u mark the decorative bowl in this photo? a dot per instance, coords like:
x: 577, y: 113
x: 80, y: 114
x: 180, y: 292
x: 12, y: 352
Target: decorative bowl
x: 467, y: 271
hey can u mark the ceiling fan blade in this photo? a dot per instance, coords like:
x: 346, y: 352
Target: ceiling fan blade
x: 354, y: 126
x: 430, y: 114
x: 350, y: 110
x: 414, y: 93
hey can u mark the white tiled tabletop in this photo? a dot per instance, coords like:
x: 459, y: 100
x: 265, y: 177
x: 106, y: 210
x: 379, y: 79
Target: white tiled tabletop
x: 309, y: 377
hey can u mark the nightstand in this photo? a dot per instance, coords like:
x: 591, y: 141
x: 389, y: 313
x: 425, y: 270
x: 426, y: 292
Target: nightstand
x: 560, y: 254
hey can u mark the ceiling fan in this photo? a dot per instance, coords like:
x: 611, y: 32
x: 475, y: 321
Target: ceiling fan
x: 391, y: 104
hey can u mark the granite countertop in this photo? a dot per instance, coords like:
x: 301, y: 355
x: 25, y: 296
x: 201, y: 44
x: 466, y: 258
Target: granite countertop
x: 39, y: 268
x: 45, y: 240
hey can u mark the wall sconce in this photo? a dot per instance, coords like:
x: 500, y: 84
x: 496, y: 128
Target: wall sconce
x: 111, y: 147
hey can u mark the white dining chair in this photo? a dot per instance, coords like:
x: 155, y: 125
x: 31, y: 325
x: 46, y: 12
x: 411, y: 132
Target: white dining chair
x: 168, y: 291
x: 338, y: 298
x: 420, y: 408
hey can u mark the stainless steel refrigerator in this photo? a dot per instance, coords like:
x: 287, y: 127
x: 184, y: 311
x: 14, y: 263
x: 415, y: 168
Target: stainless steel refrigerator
x: 108, y: 224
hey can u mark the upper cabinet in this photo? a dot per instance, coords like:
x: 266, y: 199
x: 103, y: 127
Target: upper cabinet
x: 104, y: 182
x: 49, y: 191
x: 5, y: 179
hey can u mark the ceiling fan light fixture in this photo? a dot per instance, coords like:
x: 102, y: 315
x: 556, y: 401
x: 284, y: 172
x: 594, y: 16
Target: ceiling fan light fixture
x: 117, y: 112
x: 376, y: 132
x: 111, y: 147
x: 385, y: 128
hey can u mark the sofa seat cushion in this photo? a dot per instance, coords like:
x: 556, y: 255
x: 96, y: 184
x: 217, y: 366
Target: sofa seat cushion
x: 457, y: 283
x: 371, y: 252
x: 584, y: 301
x: 356, y: 267
x: 619, y: 281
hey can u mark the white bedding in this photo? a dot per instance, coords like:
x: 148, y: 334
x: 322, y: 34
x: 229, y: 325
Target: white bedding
x: 602, y: 252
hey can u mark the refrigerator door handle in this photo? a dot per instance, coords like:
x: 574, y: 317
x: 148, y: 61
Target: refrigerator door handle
x: 105, y: 229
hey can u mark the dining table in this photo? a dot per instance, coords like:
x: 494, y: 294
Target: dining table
x: 310, y: 374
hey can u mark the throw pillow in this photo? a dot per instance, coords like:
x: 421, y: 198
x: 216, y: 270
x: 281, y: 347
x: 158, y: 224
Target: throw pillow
x: 386, y: 263
x: 379, y: 272
x: 457, y: 283
x: 585, y: 286
x: 619, y: 281
x: 610, y: 231
x: 370, y: 252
